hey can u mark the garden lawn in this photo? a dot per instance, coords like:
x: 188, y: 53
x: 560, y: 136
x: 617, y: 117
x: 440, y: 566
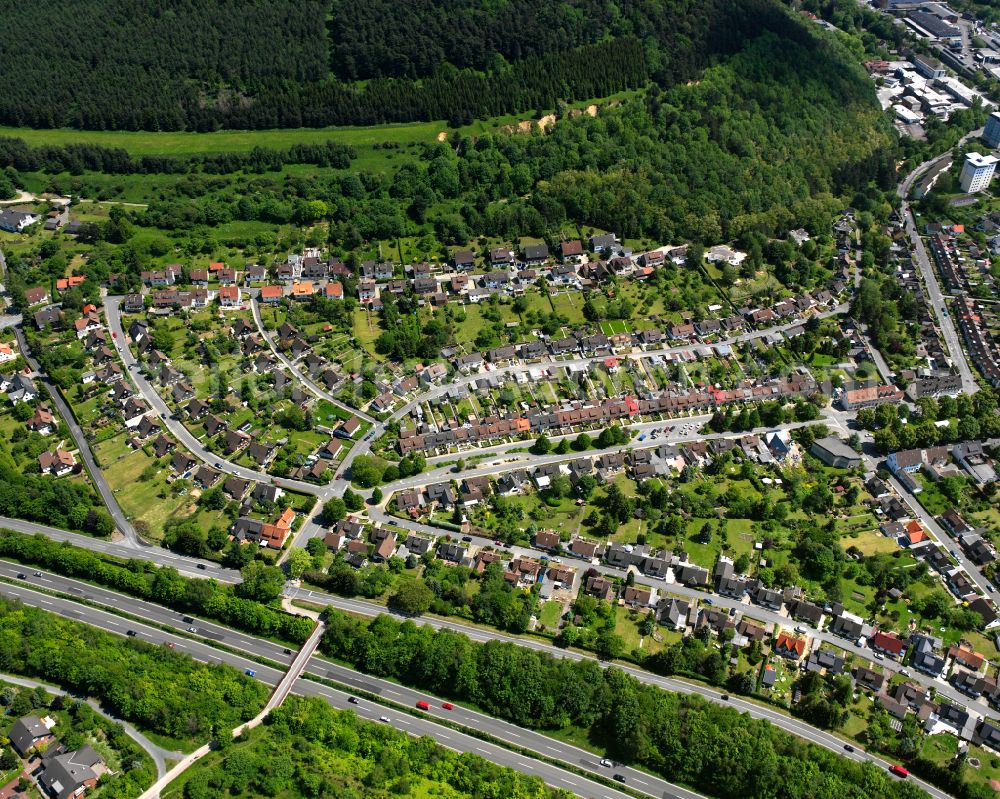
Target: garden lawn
x: 140, y: 499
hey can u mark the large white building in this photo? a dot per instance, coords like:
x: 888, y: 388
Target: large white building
x: 991, y: 136
x: 977, y: 172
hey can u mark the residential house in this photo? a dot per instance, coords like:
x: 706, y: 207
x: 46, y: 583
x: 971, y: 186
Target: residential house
x: 639, y: 596
x: 867, y: 678
x: 888, y: 644
x: 58, y: 463
x: 535, y: 254
x: 691, y: 575
x: 923, y: 656
x: 825, y: 660
x: 71, y: 774
x: 600, y: 587
x: 834, y: 452
x: 673, y: 613
x: 28, y: 733
x: 788, y: 646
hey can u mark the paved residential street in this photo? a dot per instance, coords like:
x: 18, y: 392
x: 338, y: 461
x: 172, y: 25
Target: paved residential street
x: 107, y: 495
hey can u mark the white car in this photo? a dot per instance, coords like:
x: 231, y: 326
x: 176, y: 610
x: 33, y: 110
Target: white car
x: 384, y: 719
x: 606, y: 763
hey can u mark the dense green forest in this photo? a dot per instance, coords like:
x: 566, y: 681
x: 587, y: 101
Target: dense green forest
x: 204, y: 64
x: 305, y: 748
x: 152, y: 686
x: 769, y: 139
x: 686, y: 739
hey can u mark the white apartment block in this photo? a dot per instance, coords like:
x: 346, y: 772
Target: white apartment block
x: 977, y: 172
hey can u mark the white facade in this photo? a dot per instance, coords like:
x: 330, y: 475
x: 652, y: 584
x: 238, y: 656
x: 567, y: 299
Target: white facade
x: 991, y: 135
x: 977, y: 171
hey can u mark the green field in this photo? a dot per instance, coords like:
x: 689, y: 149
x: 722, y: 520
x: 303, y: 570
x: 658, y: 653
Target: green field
x: 181, y: 143
x: 612, y: 326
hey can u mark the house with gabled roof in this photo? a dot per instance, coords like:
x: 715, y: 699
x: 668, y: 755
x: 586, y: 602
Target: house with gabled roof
x: 788, y: 646
x: 28, y: 733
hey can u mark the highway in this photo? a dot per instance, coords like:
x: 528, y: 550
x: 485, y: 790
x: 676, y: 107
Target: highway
x: 107, y: 495
x: 325, y: 669
x: 415, y: 725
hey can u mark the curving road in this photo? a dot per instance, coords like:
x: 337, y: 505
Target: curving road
x: 155, y: 751
x: 302, y: 378
x: 107, y: 495
x: 149, y: 393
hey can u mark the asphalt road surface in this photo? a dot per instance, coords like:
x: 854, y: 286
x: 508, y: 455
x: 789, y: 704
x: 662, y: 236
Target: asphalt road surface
x: 319, y: 667
x: 414, y: 725
x: 107, y: 495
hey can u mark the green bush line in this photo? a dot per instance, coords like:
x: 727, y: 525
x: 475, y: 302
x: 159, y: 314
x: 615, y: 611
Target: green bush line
x: 160, y: 584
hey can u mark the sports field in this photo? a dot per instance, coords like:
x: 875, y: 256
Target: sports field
x: 611, y: 326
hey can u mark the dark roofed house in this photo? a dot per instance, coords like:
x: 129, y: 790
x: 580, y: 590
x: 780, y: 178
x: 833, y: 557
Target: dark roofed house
x: 27, y: 733
x: 690, y: 575
x: 825, y: 659
x: 673, y: 612
x: 536, y: 253
x: 867, y: 678
x: 236, y: 487
x: 807, y: 611
x: 261, y: 454
x: 71, y: 774
x: 600, y: 587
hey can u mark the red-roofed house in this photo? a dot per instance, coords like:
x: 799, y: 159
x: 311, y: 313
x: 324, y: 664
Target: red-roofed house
x: 274, y: 535
x: 270, y: 293
x: 229, y: 296
x: 887, y: 643
x: 571, y: 250
x: 965, y: 656
x: 790, y: 647
x: 915, y: 533
x: 335, y: 290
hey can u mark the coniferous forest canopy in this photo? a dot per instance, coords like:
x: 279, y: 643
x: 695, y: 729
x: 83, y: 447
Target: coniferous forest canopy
x: 205, y: 64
